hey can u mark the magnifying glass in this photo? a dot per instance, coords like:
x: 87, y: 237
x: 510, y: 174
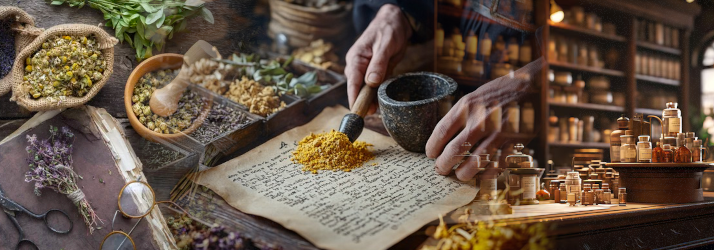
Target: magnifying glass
x: 136, y: 200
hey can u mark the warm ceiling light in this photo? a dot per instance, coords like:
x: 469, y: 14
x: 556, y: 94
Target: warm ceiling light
x: 556, y: 13
x: 690, y: 1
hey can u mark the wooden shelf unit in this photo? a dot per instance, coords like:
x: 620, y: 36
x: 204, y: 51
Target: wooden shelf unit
x: 659, y: 48
x: 679, y: 15
x: 589, y: 106
x: 598, y: 145
x: 681, y: 18
x: 594, y: 70
x: 658, y: 80
x: 571, y: 29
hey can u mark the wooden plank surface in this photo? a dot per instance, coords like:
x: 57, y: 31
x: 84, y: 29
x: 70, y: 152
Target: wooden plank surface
x: 235, y: 28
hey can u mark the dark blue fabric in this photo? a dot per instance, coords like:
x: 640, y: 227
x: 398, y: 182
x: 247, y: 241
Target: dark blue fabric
x: 421, y: 10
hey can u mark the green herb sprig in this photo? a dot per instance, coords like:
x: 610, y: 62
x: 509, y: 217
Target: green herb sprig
x: 274, y: 73
x: 145, y: 24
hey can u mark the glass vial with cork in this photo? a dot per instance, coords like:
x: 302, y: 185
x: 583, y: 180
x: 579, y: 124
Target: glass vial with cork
x: 672, y: 120
x: 622, y: 196
x: 644, y: 149
x: 658, y: 152
x: 588, y: 197
x: 682, y: 154
x: 697, y: 155
x: 628, y: 150
x: 563, y: 193
x: 615, y: 141
x: 667, y: 153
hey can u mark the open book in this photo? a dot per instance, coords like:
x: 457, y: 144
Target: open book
x: 105, y: 160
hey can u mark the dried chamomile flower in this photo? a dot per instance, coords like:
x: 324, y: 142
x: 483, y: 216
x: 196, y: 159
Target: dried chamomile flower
x: 64, y: 66
x: 189, y: 106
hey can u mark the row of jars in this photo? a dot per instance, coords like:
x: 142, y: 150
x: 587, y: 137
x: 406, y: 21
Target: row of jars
x: 631, y: 141
x: 685, y: 148
x: 472, y: 47
x: 577, y: 16
x: 658, y: 33
x: 572, y: 129
x: 659, y: 66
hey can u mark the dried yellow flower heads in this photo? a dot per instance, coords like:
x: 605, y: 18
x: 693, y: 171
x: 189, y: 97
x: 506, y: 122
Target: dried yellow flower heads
x: 331, y: 151
x: 261, y: 100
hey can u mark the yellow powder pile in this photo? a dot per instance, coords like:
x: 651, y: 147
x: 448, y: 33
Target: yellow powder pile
x: 331, y: 151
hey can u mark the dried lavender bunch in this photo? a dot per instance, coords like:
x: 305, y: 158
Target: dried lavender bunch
x: 7, y: 48
x: 220, y: 120
x: 192, y: 235
x: 50, y: 162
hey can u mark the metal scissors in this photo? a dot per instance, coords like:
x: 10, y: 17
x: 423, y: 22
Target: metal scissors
x: 12, y: 209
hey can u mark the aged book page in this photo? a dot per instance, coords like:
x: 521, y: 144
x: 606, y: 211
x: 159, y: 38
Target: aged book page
x: 372, y: 207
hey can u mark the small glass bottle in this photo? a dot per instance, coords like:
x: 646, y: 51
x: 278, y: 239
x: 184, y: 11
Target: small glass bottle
x: 644, y: 149
x: 622, y: 196
x: 668, y: 155
x: 563, y: 193
x: 471, y: 45
x: 615, y: 142
x: 599, y: 196
x: 486, y: 47
x: 689, y: 143
x: 513, y: 117
x: 683, y: 155
x: 697, y: 151
x: 555, y: 191
x: 628, y: 150
x: 588, y: 197
x: 574, y: 184
x: 573, y: 129
x: 672, y: 118
x: 658, y: 152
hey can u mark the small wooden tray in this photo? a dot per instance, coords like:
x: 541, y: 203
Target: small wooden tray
x: 662, y: 182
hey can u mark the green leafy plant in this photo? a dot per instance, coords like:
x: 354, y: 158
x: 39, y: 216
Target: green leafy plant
x: 145, y: 24
x: 274, y: 73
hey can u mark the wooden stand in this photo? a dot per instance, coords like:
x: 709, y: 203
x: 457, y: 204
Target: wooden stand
x: 662, y: 182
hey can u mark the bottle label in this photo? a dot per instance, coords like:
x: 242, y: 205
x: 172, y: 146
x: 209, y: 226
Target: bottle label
x: 528, y: 183
x: 645, y: 154
x: 488, y: 188
x: 675, y: 125
x: 632, y: 154
x: 615, y: 153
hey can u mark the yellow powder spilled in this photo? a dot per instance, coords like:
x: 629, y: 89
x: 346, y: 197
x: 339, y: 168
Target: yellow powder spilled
x: 331, y: 151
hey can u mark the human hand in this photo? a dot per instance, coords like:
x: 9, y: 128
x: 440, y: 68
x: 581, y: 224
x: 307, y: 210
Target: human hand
x: 464, y: 123
x: 380, y: 47
x: 466, y: 118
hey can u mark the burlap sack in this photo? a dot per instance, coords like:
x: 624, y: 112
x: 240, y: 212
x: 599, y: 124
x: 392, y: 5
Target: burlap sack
x: 21, y: 95
x: 25, y: 33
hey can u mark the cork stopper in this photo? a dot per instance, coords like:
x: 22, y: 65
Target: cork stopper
x: 644, y: 138
x: 697, y: 143
x: 623, y: 122
x: 690, y: 135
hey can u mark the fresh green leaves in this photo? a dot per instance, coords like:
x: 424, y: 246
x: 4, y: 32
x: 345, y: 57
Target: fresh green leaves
x: 145, y: 24
x: 274, y: 73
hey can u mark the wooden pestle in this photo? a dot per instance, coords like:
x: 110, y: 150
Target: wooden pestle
x: 164, y: 101
x: 353, y: 123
